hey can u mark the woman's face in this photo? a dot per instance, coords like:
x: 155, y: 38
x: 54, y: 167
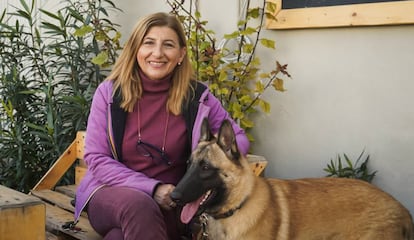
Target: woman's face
x: 159, y: 53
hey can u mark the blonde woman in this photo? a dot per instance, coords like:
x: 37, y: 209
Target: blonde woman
x: 144, y: 122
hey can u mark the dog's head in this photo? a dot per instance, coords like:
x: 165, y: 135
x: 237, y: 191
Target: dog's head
x: 205, y: 185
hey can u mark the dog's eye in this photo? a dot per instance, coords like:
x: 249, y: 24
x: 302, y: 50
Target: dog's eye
x: 205, y: 165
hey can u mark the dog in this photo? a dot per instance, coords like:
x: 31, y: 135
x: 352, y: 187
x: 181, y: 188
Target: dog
x: 220, y: 191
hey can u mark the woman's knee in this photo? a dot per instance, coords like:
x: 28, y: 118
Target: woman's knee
x: 137, y: 203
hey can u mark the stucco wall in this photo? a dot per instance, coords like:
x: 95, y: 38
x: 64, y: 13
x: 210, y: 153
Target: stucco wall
x: 351, y: 90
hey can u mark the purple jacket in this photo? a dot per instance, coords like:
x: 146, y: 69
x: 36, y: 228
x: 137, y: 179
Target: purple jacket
x: 104, y: 136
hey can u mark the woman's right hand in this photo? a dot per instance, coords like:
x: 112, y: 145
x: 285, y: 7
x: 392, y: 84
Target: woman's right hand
x: 162, y: 196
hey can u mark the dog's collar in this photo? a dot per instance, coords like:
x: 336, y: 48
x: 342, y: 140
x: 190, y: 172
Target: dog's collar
x: 230, y: 212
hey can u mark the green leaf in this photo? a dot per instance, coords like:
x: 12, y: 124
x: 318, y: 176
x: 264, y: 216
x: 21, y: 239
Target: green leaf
x: 271, y: 7
x: 232, y: 35
x: 101, y: 58
x: 25, y: 6
x: 254, y: 12
x: 80, y: 32
x: 50, y: 14
x: 248, y: 31
x: 268, y: 43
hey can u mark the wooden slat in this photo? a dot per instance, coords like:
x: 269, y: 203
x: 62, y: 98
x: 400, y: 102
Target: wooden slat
x: 57, y: 236
x: 68, y: 190
x: 58, y: 169
x: 56, y: 217
x: 55, y: 198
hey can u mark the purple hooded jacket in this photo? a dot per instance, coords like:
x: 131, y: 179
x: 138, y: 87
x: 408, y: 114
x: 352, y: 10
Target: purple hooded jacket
x: 104, y: 135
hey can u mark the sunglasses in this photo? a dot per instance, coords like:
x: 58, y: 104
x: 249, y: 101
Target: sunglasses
x: 156, y: 154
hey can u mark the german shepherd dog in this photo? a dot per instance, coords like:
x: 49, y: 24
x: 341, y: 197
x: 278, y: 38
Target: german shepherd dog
x: 234, y: 204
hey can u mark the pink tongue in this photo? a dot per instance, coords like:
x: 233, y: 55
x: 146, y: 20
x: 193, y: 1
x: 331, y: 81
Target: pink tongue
x: 189, y: 210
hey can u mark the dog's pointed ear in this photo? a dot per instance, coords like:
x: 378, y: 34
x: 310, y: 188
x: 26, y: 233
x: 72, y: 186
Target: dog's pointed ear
x: 227, y: 140
x: 205, y: 134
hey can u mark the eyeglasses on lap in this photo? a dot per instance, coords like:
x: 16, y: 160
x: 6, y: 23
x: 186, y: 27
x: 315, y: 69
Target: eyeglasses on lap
x: 156, y: 154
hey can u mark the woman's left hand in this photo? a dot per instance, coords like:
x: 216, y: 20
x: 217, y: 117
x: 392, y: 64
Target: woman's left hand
x: 162, y: 196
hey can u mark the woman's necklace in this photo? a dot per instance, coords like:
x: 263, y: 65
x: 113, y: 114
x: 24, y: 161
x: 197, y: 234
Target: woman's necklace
x: 146, y: 146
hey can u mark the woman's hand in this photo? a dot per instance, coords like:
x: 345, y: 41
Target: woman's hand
x: 162, y: 196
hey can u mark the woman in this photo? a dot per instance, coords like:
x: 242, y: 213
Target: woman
x: 144, y: 122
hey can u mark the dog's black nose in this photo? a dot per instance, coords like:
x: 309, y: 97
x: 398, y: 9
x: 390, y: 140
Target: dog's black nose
x: 176, y: 196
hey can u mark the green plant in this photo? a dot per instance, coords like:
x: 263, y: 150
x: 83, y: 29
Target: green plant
x: 51, y: 63
x: 232, y: 70
x: 357, y: 169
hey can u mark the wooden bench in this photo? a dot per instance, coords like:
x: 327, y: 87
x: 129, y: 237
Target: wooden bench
x: 57, y: 198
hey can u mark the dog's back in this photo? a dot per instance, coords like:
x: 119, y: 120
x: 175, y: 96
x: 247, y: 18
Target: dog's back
x: 337, y: 208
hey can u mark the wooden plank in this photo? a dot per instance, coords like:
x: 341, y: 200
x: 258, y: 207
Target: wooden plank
x: 59, y: 168
x: 80, y: 171
x: 10, y: 198
x: 58, y: 236
x: 55, y: 198
x: 56, y: 217
x: 80, y: 144
x: 21, y: 216
x: 257, y: 163
x: 368, y: 14
x: 69, y: 190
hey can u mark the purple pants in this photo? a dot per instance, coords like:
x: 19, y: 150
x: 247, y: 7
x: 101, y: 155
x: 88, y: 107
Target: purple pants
x: 120, y: 213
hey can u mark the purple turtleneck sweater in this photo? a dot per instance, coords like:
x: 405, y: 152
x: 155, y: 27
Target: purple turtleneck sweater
x: 152, y: 116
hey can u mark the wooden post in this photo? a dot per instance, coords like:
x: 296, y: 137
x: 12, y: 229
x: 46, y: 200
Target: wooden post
x: 21, y: 216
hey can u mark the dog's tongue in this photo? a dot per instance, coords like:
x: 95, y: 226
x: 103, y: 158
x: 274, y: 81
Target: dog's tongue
x: 189, y: 210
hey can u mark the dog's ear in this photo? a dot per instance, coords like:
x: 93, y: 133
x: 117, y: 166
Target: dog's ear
x: 227, y: 140
x: 205, y: 134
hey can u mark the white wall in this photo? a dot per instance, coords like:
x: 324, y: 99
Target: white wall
x: 352, y: 89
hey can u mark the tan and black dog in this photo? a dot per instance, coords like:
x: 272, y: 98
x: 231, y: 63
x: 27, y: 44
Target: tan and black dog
x: 237, y: 205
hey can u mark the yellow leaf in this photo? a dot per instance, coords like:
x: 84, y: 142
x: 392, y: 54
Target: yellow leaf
x: 222, y: 76
x: 259, y: 87
x: 265, y: 106
x: 247, y: 123
x: 278, y: 85
x: 264, y: 75
x: 245, y: 99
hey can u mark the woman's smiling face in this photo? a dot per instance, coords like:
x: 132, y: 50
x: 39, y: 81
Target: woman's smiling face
x: 160, y: 52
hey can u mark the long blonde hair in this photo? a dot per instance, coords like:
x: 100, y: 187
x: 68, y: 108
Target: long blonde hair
x: 125, y: 71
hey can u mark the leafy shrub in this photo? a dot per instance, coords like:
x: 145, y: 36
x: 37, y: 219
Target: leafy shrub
x: 50, y: 68
x: 231, y: 68
x: 357, y: 169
